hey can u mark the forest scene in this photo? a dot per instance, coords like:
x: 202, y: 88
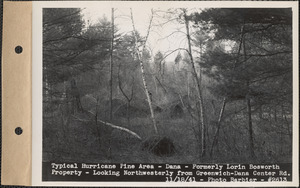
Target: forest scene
x: 181, y: 85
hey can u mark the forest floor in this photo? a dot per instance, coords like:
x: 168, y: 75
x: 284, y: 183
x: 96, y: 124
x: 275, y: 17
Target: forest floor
x: 84, y: 141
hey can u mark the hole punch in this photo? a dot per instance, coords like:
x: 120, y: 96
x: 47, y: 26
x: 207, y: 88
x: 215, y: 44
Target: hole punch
x: 19, y: 49
x: 18, y: 131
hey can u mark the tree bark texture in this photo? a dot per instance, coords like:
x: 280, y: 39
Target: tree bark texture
x: 215, y: 139
x: 111, y: 65
x: 248, y: 101
x: 200, y: 97
x: 139, y: 55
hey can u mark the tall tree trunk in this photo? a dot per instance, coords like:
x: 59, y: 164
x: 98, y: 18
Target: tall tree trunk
x: 111, y: 64
x: 248, y: 101
x: 163, y: 72
x: 156, y: 89
x: 215, y: 139
x: 128, y: 98
x: 96, y: 126
x: 128, y: 114
x: 188, y: 85
x: 287, y: 123
x: 139, y: 56
x: 250, y: 126
x: 200, y: 98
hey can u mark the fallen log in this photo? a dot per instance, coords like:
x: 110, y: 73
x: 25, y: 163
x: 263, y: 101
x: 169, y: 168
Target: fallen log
x: 111, y: 125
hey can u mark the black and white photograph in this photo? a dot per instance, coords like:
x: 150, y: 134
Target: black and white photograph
x: 140, y: 87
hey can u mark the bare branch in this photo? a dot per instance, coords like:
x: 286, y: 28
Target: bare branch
x: 174, y: 32
x: 120, y: 85
x: 178, y: 49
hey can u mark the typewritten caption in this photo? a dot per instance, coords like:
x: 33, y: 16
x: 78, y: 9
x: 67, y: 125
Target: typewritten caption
x: 53, y: 171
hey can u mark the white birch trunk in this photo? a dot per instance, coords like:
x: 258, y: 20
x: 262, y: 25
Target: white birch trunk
x: 139, y: 55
